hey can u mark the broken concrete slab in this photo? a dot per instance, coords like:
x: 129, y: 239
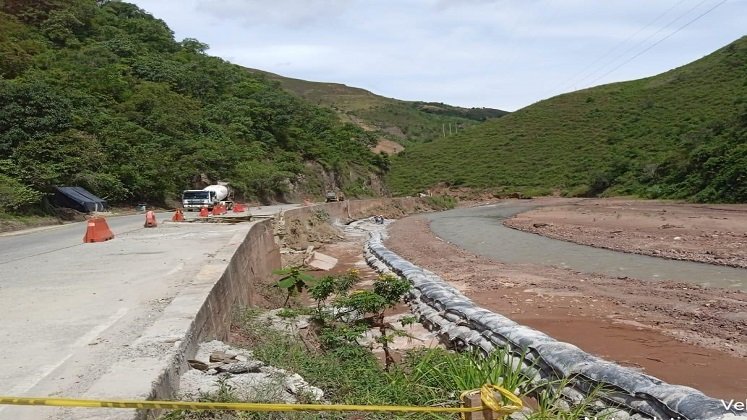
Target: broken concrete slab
x: 322, y: 261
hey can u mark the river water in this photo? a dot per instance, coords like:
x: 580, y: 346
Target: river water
x: 479, y: 230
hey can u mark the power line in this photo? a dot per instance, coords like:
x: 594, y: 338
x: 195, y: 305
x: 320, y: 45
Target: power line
x: 696, y: 18
x: 644, y: 41
x: 570, y: 82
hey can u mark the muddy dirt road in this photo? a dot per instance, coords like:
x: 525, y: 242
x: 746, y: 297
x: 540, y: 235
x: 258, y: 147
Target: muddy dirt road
x: 681, y: 332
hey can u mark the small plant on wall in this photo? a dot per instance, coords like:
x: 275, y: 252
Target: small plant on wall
x: 294, y: 281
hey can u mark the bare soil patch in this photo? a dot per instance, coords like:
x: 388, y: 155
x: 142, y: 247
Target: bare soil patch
x: 680, y: 333
x: 387, y: 146
x: 714, y: 234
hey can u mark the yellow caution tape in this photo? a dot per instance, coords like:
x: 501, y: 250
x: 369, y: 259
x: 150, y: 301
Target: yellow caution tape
x: 487, y: 395
x: 488, y: 399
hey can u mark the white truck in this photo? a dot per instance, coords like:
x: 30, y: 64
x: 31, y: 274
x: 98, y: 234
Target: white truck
x: 207, y: 197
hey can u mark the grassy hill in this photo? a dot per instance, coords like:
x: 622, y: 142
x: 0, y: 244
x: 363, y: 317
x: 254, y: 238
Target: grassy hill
x: 406, y: 122
x: 100, y: 94
x: 680, y: 134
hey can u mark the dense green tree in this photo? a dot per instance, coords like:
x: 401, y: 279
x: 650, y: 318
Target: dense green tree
x: 30, y: 110
x: 99, y: 94
x: 14, y: 195
x: 261, y: 179
x: 43, y: 162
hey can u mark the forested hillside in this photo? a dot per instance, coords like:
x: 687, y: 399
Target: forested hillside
x: 100, y: 94
x: 681, y: 134
x: 405, y: 122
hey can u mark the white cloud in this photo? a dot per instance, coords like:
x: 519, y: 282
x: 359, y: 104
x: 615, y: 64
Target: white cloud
x: 283, y: 12
x: 500, y: 53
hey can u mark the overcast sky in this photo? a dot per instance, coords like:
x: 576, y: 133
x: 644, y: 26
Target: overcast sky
x: 503, y: 54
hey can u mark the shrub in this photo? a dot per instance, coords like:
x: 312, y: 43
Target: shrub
x: 14, y: 195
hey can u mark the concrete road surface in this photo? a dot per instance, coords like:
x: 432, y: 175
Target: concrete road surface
x: 70, y: 310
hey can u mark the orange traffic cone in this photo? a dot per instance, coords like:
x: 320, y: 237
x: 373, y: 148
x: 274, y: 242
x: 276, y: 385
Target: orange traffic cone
x: 97, y: 231
x: 90, y: 232
x: 150, y: 219
x: 178, y: 216
x: 204, y: 212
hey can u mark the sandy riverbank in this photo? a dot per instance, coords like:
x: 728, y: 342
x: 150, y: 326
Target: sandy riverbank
x: 679, y: 332
x: 709, y: 233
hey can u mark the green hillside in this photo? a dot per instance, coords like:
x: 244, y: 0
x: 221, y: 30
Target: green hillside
x: 681, y: 134
x: 100, y: 94
x: 403, y: 121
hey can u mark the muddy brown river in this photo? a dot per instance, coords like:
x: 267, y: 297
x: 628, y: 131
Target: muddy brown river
x: 480, y: 230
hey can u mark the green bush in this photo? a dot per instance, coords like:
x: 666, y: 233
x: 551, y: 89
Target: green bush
x: 14, y: 195
x: 350, y: 374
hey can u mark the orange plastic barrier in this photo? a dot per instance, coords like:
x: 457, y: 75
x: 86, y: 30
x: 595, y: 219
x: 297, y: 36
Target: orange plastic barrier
x: 204, y: 212
x: 178, y: 216
x: 97, y: 231
x: 239, y: 208
x: 150, y: 219
x: 217, y: 210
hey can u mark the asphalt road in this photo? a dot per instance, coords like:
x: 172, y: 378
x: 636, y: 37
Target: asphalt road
x: 70, y: 310
x: 26, y: 245
x: 17, y: 246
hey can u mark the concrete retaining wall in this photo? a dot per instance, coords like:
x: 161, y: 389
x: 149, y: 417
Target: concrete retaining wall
x: 358, y: 209
x: 252, y: 261
x: 626, y: 393
x: 306, y: 226
x: 201, y: 311
x: 347, y: 211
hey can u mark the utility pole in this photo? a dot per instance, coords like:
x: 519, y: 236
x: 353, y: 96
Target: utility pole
x: 443, y: 128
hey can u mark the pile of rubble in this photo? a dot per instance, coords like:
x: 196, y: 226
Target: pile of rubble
x: 219, y: 368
